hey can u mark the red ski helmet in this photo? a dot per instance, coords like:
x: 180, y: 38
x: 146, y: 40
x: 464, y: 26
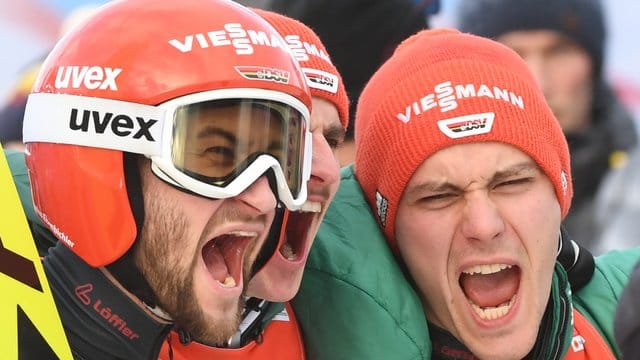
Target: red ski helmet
x: 126, y: 81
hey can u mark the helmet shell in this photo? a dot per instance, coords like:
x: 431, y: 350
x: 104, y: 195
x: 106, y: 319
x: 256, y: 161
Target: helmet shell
x: 147, y: 52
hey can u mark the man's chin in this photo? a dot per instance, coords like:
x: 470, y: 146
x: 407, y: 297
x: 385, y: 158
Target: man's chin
x: 215, y: 328
x: 275, y: 284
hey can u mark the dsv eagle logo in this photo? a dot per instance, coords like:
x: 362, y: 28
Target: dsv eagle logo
x: 263, y: 73
x: 120, y: 124
x: 461, y: 126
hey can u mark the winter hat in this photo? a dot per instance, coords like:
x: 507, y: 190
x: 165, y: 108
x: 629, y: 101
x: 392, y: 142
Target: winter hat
x: 580, y: 20
x: 441, y: 88
x: 323, y: 78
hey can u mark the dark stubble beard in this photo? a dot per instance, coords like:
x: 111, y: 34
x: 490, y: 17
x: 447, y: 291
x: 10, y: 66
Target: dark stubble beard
x: 159, y: 257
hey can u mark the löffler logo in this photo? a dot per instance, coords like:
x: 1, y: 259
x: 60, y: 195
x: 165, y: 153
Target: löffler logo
x: 105, y: 312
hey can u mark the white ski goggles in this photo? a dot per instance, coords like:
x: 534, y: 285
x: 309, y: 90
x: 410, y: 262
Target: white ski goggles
x: 214, y: 143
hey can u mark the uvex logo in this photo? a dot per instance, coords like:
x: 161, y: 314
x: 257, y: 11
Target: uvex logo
x: 90, y: 77
x: 105, y: 312
x: 119, y: 124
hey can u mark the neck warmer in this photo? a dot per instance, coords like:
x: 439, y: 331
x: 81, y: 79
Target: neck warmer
x: 99, y: 319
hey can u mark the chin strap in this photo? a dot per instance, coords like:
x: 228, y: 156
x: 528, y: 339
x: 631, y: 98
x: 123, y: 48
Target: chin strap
x: 276, y: 233
x: 252, y: 324
x: 275, y: 238
x: 124, y: 269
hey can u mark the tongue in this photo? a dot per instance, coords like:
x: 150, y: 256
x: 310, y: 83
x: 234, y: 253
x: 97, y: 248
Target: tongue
x: 490, y: 290
x: 215, y: 262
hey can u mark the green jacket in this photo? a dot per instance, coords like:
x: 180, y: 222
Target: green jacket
x: 356, y: 303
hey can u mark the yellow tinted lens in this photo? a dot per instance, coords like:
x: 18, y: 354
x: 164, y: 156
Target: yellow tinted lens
x: 215, y: 141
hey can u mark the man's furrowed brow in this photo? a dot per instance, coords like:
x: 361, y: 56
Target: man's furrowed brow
x: 527, y: 168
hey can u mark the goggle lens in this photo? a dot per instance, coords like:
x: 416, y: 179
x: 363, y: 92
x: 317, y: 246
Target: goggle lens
x: 215, y: 141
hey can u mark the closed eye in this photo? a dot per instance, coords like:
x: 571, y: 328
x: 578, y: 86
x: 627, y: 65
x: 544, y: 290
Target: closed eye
x: 437, y: 201
x: 221, y: 150
x: 514, y: 183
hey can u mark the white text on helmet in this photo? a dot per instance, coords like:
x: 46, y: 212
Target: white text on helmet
x: 445, y: 98
x: 302, y: 49
x: 57, y: 232
x: 121, y: 125
x: 90, y: 77
x: 231, y: 35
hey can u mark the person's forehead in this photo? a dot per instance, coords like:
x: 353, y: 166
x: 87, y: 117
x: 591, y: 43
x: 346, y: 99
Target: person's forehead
x: 324, y: 113
x: 535, y: 38
x: 468, y: 158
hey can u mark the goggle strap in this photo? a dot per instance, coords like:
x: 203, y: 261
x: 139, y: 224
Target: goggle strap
x: 274, y: 240
x: 94, y: 122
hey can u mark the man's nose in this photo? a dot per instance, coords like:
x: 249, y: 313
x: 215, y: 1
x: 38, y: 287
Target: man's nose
x: 259, y: 196
x: 324, y: 165
x: 481, y: 219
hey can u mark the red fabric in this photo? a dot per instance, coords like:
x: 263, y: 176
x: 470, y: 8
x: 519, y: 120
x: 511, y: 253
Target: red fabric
x: 281, y: 340
x: 587, y: 344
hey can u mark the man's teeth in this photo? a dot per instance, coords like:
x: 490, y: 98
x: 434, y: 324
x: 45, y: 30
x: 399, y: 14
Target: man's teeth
x: 229, y: 282
x: 287, y: 251
x: 486, y: 269
x: 243, y: 233
x: 492, y: 313
x: 311, y: 206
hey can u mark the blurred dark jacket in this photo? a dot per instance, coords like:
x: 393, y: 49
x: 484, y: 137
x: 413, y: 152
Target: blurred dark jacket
x: 601, y: 150
x: 627, y: 321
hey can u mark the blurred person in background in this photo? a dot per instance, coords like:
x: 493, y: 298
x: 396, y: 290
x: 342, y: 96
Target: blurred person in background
x: 12, y: 112
x: 617, y: 207
x: 563, y: 42
x: 359, y: 34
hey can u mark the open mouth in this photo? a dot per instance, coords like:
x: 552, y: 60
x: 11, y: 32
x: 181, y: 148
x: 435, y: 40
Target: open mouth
x: 490, y: 289
x: 297, y: 239
x: 224, y: 255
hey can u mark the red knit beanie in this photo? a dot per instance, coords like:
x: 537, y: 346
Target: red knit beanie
x: 441, y: 88
x: 323, y: 78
